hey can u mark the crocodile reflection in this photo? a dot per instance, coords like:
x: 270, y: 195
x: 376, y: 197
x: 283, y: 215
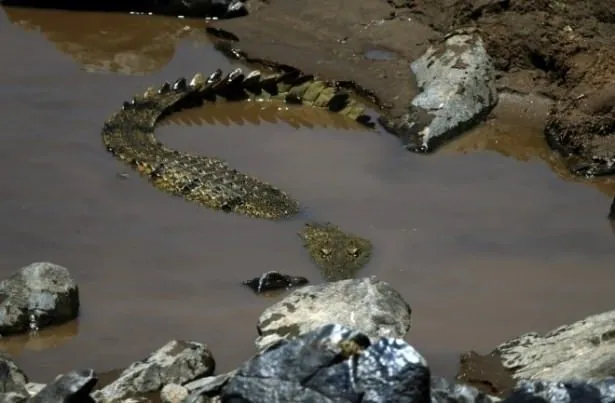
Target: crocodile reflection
x: 108, y: 42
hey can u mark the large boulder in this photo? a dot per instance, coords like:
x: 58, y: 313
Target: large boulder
x: 457, y: 89
x: 334, y: 363
x: 580, y: 351
x: 366, y: 304
x: 187, y: 8
x: 39, y: 295
x: 177, y: 362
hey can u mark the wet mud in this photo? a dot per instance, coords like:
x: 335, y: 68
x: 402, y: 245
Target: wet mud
x: 490, y: 238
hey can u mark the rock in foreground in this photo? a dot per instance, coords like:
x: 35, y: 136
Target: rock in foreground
x: 457, y: 83
x: 579, y: 351
x: 74, y: 386
x: 333, y: 364
x: 37, y: 296
x: 176, y: 362
x: 367, y: 304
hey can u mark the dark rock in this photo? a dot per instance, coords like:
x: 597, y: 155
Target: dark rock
x: 594, y: 391
x: 74, y: 386
x: 457, y: 83
x: 273, y: 281
x: 366, y: 304
x: 188, y: 8
x: 612, y: 211
x: 37, y: 296
x: 333, y: 364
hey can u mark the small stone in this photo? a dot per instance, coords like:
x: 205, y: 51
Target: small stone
x: 173, y: 393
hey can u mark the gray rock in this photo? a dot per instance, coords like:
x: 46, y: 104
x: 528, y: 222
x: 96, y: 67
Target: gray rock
x: 579, y: 351
x: 207, y: 387
x: 74, y: 386
x: 37, y: 296
x: 333, y: 364
x: 176, y: 362
x: 33, y: 388
x: 443, y: 390
x: 13, y: 397
x: 12, y: 378
x: 457, y: 83
x: 366, y: 304
x: 592, y: 391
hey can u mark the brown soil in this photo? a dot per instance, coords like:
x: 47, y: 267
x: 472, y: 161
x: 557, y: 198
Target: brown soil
x: 559, y: 49
x: 485, y: 372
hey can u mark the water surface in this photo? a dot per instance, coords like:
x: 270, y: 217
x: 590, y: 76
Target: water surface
x: 487, y: 239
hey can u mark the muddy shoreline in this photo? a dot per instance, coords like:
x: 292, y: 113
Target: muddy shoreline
x: 555, y: 51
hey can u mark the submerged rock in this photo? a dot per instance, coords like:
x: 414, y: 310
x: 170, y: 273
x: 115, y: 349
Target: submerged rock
x: 37, y: 296
x: 367, y: 304
x: 457, y: 83
x: 74, y: 386
x: 274, y: 281
x: 176, y: 362
x: 333, y: 364
x: 580, y: 351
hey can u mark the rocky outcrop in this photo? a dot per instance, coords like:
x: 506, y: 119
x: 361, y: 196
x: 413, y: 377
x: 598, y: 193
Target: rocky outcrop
x: 579, y: 351
x: 176, y: 362
x: 187, y: 8
x: 457, y: 83
x: 369, y: 305
x: 39, y: 295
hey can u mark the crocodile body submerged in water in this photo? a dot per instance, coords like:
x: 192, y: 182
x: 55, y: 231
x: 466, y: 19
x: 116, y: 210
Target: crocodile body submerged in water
x: 211, y: 182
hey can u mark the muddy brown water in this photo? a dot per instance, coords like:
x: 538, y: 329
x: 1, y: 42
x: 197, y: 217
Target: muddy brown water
x: 487, y: 239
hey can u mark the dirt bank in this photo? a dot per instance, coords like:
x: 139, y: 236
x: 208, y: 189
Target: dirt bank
x: 557, y: 49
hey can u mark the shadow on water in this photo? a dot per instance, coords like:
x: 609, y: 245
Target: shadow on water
x: 483, y: 246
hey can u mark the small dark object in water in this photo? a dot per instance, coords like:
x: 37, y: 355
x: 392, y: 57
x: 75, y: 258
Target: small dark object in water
x: 272, y: 281
x: 612, y: 212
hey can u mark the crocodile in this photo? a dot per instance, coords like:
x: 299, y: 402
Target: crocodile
x: 209, y: 181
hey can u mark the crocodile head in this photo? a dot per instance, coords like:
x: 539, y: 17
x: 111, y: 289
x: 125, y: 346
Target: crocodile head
x: 340, y: 255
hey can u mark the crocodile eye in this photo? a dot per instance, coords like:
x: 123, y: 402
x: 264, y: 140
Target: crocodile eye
x: 325, y: 251
x: 353, y: 251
